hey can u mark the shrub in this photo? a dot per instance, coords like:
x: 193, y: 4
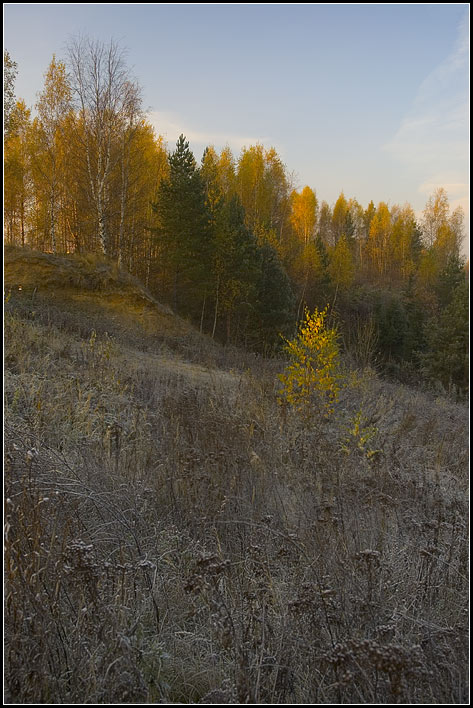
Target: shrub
x: 312, y: 379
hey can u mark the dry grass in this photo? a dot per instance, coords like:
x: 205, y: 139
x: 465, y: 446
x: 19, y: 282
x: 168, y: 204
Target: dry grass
x: 176, y: 536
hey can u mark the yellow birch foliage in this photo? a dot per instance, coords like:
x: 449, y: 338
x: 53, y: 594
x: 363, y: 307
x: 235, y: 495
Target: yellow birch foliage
x: 303, y: 213
x: 312, y: 379
x: 341, y: 266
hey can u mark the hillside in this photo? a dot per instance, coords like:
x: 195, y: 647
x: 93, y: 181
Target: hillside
x: 174, y: 535
x: 86, y: 295
x: 98, y: 285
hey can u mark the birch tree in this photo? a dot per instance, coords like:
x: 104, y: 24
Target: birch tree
x: 10, y: 70
x: 304, y: 214
x: 53, y: 106
x: 130, y: 124
x: 17, y: 188
x: 101, y: 85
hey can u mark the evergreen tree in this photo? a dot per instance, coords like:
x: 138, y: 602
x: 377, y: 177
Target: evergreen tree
x: 210, y: 177
x: 447, y: 338
x: 449, y: 278
x: 275, y: 304
x: 184, y: 230
x: 236, y: 266
x: 414, y: 339
x: 391, y: 321
x: 323, y: 290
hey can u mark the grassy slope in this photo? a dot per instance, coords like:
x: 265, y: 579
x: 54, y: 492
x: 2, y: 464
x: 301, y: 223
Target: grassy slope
x: 173, y: 535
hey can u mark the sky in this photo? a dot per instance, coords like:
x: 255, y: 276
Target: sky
x: 368, y: 99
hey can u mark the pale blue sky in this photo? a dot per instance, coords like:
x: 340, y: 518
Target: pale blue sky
x: 369, y: 99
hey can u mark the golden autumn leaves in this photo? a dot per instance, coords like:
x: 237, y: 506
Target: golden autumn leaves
x: 312, y: 379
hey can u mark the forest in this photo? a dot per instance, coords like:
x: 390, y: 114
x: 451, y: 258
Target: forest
x: 230, y: 242
x: 235, y: 420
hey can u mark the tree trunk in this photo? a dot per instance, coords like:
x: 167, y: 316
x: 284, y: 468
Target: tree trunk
x: 216, y: 307
x: 202, y: 314
x: 102, y: 229
x: 53, y: 222
x: 174, y: 296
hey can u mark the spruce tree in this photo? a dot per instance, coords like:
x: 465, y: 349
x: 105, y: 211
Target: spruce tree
x: 446, y: 360
x: 236, y: 265
x: 449, y: 279
x: 184, y: 231
x: 276, y: 302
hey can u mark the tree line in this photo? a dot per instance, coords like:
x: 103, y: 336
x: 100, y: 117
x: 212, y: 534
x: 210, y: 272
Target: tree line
x: 230, y: 241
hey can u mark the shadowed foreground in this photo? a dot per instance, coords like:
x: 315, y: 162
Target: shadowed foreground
x: 175, y: 535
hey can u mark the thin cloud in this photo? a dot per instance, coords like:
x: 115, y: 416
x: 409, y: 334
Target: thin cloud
x: 171, y: 127
x: 454, y: 189
x: 432, y: 141
x: 433, y: 137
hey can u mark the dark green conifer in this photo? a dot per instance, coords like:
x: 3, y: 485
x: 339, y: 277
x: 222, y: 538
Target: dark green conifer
x: 184, y: 231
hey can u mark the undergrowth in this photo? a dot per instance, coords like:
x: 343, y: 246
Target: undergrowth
x: 179, y: 538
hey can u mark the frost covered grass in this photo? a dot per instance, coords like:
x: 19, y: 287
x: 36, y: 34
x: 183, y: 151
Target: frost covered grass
x: 174, y: 535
